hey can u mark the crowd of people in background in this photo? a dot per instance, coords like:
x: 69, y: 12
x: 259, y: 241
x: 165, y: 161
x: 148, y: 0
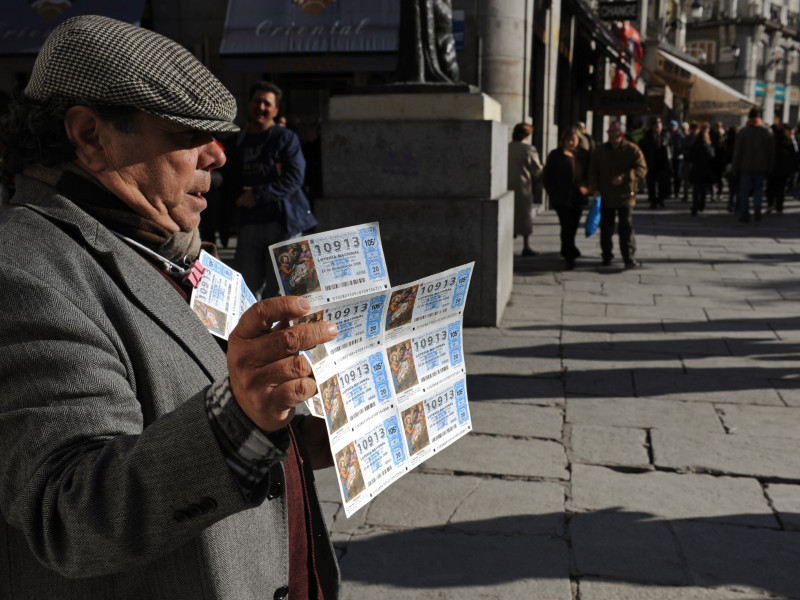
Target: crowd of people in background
x: 694, y: 163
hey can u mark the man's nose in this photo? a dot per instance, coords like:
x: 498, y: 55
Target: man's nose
x: 212, y: 156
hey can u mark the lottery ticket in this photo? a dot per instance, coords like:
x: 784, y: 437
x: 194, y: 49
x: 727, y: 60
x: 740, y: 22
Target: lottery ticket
x: 388, y: 445
x: 359, y: 323
x: 392, y: 385
x: 221, y: 298
x: 427, y: 300
x: 332, y: 266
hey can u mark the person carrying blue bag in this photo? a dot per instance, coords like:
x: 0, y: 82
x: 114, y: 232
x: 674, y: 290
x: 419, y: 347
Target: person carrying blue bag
x: 565, y: 179
x: 614, y: 172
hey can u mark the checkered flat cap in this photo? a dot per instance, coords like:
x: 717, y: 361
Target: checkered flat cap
x: 110, y: 62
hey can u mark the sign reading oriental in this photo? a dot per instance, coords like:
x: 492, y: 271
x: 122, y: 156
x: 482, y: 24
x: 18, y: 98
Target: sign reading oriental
x: 310, y: 26
x: 618, y: 11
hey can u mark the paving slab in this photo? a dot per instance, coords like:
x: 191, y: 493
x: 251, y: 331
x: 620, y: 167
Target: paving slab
x: 788, y: 389
x: 482, y: 454
x: 786, y: 500
x: 610, y: 446
x: 419, y: 499
x: 515, y: 389
x: 659, y: 495
x: 627, y: 546
x: 512, y: 507
x: 521, y: 421
x: 734, y: 454
x: 431, y: 565
x: 721, y: 385
x: 646, y: 413
x: 608, y: 383
x: 596, y: 589
x: 766, y: 421
x: 757, y: 559
x: 585, y: 309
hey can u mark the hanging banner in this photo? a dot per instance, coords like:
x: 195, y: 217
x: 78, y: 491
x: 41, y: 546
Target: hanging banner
x: 258, y: 27
x: 25, y: 24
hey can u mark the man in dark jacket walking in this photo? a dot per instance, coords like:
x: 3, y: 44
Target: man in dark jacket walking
x: 753, y: 158
x: 614, y: 172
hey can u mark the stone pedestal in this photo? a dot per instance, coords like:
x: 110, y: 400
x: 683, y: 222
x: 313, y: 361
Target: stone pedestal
x: 431, y: 169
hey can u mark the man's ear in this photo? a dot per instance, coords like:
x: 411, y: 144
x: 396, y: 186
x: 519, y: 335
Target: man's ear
x: 84, y: 129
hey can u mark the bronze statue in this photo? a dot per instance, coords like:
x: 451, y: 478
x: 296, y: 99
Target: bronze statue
x: 427, y: 50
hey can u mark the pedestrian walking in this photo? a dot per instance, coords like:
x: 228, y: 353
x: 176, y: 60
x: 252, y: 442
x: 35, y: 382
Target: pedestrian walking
x: 786, y: 157
x: 753, y: 158
x: 657, y: 150
x: 524, y: 170
x: 733, y: 180
x: 677, y: 140
x: 615, y: 169
x: 690, y: 131
x: 701, y: 176
x: 566, y: 181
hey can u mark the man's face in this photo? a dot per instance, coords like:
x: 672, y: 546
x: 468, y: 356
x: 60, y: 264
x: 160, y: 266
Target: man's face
x: 658, y: 126
x: 263, y: 108
x: 162, y: 170
x: 614, y: 133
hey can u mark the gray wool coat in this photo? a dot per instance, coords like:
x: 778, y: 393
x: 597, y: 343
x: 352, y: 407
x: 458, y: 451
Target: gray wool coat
x: 112, y: 484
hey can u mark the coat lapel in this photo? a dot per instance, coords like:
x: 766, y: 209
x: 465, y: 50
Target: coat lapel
x: 134, y: 275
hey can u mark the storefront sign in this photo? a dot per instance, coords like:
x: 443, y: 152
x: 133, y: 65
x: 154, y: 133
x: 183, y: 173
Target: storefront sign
x: 618, y: 11
x: 620, y: 102
x: 25, y: 25
x: 258, y: 27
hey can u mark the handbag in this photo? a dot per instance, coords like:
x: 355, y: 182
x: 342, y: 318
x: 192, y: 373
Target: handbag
x: 593, y: 217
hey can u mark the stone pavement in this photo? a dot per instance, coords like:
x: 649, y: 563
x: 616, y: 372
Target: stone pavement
x: 636, y: 433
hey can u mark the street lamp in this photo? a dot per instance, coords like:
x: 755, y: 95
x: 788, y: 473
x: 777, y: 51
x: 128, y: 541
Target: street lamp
x: 696, y: 10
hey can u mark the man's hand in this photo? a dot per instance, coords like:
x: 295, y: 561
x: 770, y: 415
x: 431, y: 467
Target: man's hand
x: 247, y: 199
x: 268, y: 376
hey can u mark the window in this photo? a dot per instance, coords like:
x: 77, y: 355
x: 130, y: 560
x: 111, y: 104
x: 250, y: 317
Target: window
x: 704, y: 51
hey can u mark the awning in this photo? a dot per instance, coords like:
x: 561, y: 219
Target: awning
x: 310, y: 26
x: 707, y: 95
x: 606, y: 41
x: 25, y: 24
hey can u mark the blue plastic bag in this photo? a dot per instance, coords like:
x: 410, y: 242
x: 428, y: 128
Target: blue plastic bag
x: 593, y: 217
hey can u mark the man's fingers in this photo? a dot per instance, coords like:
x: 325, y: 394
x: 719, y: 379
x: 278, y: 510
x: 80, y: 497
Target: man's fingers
x: 258, y: 319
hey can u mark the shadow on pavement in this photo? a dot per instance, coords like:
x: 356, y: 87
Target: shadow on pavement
x: 613, y: 545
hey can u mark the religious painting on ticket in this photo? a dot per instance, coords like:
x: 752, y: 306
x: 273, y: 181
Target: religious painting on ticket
x: 297, y: 269
x: 333, y: 404
x: 350, y: 475
x: 416, y: 428
x: 401, y: 363
x: 213, y: 319
x: 401, y: 307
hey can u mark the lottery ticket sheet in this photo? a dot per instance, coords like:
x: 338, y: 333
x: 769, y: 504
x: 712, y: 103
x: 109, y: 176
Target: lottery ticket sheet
x: 331, y: 266
x: 392, y: 385
x: 221, y: 298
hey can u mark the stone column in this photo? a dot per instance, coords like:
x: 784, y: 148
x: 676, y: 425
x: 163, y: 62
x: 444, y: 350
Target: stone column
x: 431, y: 168
x: 506, y: 28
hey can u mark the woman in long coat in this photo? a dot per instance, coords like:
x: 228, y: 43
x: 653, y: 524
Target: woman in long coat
x: 524, y: 168
x: 565, y: 179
